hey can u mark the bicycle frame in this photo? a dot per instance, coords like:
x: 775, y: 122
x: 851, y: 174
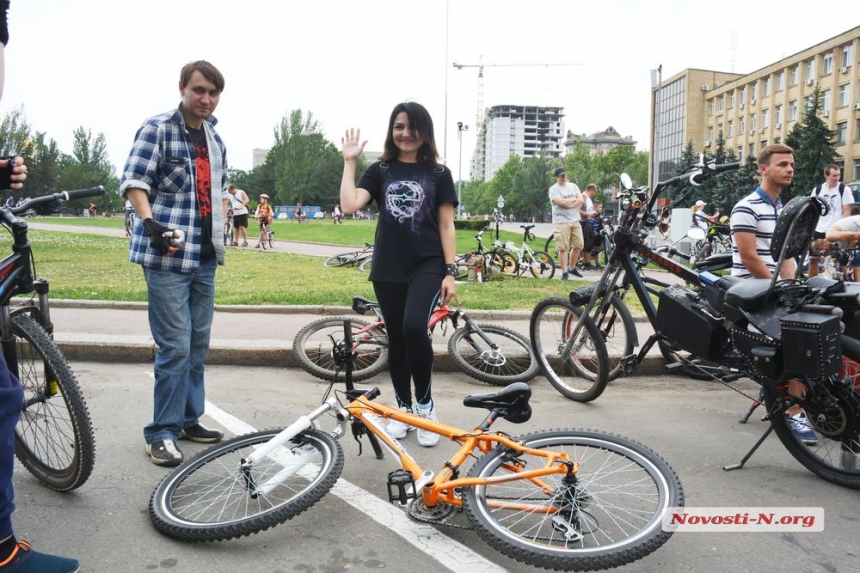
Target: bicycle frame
x: 434, y: 487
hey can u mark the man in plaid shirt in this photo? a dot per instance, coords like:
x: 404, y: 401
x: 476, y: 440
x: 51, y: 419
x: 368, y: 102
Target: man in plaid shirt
x: 176, y: 180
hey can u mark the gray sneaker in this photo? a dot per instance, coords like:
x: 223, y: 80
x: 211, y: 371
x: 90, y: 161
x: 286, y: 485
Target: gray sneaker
x: 164, y: 453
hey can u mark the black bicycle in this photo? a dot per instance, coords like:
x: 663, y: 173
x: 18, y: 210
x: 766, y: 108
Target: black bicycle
x: 54, y: 435
x: 352, y: 258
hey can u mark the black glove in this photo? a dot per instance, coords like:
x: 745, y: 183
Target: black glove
x: 156, y: 232
x: 4, y: 26
x: 6, y: 173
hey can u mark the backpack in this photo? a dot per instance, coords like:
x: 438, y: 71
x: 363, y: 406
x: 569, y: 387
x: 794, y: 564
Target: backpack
x: 840, y: 188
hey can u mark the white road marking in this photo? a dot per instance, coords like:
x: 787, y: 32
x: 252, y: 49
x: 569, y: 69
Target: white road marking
x: 453, y: 555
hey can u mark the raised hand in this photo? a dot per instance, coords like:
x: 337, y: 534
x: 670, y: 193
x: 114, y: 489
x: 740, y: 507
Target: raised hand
x: 350, y: 144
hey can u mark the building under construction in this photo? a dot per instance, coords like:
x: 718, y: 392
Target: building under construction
x: 521, y: 130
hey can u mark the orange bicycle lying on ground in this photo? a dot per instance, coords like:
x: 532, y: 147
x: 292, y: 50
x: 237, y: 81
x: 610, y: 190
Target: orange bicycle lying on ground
x: 560, y: 499
x: 486, y: 352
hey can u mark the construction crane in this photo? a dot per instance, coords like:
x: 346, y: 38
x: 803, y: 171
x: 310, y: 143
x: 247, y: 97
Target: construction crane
x: 479, y: 121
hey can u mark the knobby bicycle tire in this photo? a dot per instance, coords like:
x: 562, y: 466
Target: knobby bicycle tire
x: 582, y: 375
x: 314, y: 342
x: 512, y: 361
x: 54, y: 435
x: 207, y: 498
x: 835, y: 456
x: 610, y: 515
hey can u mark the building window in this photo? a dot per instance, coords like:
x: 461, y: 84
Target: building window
x: 856, y: 169
x: 795, y: 70
x: 807, y: 103
x: 711, y: 107
x: 754, y: 91
x: 720, y: 129
x: 710, y: 133
x: 777, y: 114
x: 752, y: 150
x: 732, y: 100
x: 765, y: 118
x: 740, y: 151
x: 730, y: 129
x: 763, y: 143
x: 848, y: 56
x: 780, y: 81
x: 844, y: 95
x: 810, y: 70
x: 722, y: 103
x: 792, y: 110
x: 841, y: 133
x: 857, y: 131
x: 828, y: 64
x: 740, y: 126
x: 743, y: 94
x: 752, y: 122
x: 765, y: 87
x: 825, y: 99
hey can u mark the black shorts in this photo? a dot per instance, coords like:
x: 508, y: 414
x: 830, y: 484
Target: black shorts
x: 240, y: 220
x: 587, y: 235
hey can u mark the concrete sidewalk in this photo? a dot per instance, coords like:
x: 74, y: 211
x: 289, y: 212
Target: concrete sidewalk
x: 104, y: 331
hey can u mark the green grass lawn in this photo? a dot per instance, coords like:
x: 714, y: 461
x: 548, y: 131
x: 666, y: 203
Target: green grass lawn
x: 93, y: 267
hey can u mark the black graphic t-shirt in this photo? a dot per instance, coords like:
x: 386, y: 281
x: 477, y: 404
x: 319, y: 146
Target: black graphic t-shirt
x: 204, y: 191
x: 407, y: 235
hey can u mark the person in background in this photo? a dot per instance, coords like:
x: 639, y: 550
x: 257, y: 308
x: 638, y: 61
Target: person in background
x: 263, y: 215
x: 15, y: 555
x: 239, y: 203
x: 587, y: 211
x: 701, y: 218
x: 337, y: 215
x: 176, y: 178
x: 566, y: 199
x: 413, y: 260
x: 839, y: 201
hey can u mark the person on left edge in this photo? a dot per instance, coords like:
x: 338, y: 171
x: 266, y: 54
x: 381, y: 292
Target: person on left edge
x: 16, y: 556
x: 176, y: 178
x: 413, y: 259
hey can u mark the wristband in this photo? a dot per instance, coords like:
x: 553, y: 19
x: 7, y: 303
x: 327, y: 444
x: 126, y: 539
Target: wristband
x: 449, y: 270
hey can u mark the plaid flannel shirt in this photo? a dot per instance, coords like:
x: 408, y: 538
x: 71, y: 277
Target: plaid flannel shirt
x: 162, y: 163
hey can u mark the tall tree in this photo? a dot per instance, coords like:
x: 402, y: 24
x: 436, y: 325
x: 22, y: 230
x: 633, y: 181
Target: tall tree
x: 88, y: 166
x: 812, y: 142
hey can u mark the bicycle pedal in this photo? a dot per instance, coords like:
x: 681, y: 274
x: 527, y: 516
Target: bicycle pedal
x: 401, y: 487
x: 628, y: 364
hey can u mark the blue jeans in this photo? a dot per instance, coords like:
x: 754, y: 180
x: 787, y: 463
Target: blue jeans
x: 180, y: 317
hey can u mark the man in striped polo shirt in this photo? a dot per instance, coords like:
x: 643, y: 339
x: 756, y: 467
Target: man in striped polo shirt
x: 754, y: 217
x: 753, y: 220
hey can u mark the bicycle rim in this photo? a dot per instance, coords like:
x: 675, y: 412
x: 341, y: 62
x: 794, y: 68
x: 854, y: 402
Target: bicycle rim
x: 512, y: 359
x: 54, y: 435
x: 580, y: 374
x: 610, y: 515
x: 313, y: 344
x: 617, y: 328
x: 209, y: 497
x: 542, y: 266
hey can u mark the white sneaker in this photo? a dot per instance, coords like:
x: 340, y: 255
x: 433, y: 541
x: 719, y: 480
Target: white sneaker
x: 399, y: 429
x: 427, y: 438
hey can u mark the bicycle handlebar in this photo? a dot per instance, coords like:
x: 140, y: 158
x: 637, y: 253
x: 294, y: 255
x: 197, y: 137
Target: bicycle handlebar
x: 699, y: 175
x: 60, y: 197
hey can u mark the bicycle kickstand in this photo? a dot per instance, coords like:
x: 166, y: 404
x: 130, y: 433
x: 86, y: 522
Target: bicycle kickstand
x: 751, y: 452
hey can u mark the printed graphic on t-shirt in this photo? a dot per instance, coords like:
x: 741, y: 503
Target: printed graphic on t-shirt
x: 204, y: 180
x: 404, y: 199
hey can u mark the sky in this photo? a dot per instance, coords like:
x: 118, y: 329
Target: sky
x: 107, y: 65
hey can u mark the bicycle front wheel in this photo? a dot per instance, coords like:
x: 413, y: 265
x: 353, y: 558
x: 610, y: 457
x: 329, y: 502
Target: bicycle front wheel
x: 340, y: 260
x: 509, y: 359
x: 313, y: 345
x: 212, y: 497
x: 542, y: 266
x: 580, y: 374
x: 617, y: 328
x: 366, y: 265
x: 609, y: 515
x: 54, y: 435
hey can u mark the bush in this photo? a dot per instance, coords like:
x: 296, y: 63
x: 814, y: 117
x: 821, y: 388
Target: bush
x: 470, y: 224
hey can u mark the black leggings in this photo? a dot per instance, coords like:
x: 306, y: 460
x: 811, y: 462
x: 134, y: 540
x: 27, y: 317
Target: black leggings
x: 406, y: 308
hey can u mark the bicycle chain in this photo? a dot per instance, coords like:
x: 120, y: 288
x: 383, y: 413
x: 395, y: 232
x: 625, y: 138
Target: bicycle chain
x: 418, y: 512
x: 689, y: 362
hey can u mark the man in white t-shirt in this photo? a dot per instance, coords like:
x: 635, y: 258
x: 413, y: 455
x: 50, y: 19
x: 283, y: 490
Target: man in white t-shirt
x: 839, y: 200
x: 239, y: 203
x: 566, y: 199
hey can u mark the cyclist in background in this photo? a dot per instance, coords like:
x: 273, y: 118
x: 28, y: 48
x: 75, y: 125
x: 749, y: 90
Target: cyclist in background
x: 264, y: 216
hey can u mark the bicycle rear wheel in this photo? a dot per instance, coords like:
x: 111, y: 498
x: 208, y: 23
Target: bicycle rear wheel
x: 54, y: 435
x: 617, y: 329
x: 610, y: 514
x: 312, y: 348
x: 208, y: 498
x: 339, y: 260
x: 271, y: 236
x: 582, y: 373
x: 366, y: 265
x: 835, y: 420
x: 543, y: 267
x: 511, y: 361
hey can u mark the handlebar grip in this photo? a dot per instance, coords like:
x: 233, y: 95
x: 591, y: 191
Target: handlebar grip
x: 726, y: 167
x: 81, y: 193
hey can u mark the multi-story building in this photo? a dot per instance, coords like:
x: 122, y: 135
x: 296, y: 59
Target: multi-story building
x: 598, y: 142
x: 759, y: 108
x: 525, y: 131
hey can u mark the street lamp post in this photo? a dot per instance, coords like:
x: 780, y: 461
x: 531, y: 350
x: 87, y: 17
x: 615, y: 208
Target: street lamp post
x: 460, y: 129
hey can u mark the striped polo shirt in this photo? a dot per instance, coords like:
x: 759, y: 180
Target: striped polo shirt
x: 755, y: 213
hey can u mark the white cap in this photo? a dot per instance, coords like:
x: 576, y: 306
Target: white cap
x: 700, y: 203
